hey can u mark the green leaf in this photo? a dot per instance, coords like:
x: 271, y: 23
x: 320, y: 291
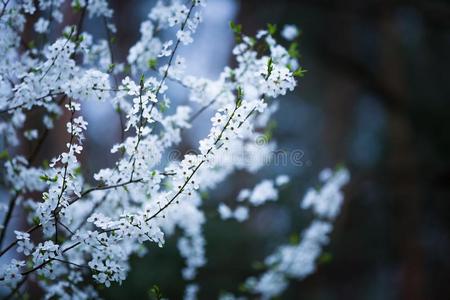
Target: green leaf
x: 44, y: 178
x: 31, y: 44
x: 167, y: 185
x: 237, y: 28
x: 36, y: 221
x: 340, y: 167
x: 257, y: 265
x: 155, y: 293
x: 127, y: 69
x: 152, y: 63
x: 4, y: 154
x: 240, y: 96
x: 325, y: 258
x: 77, y: 171
x: 204, y: 195
x: 293, y: 50
x: 232, y: 76
x: 300, y: 72
x: 268, y: 131
x: 76, y: 6
x: 111, y: 68
x: 243, y: 288
x: 141, y: 81
x: 269, y: 67
x: 294, y: 239
x: 45, y: 164
x: 272, y: 28
x: 162, y: 106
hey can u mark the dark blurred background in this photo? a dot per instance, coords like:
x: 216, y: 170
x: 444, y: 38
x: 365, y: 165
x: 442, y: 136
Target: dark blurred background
x: 376, y: 98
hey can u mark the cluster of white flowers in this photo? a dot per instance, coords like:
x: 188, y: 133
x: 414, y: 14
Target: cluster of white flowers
x: 89, y: 227
x: 299, y: 260
x: 264, y: 191
x: 191, y: 292
x: 23, y: 242
x: 327, y: 201
x: 240, y: 213
x: 23, y: 177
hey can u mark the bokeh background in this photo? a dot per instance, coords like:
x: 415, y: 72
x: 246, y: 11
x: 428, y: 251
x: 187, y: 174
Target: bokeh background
x: 375, y: 98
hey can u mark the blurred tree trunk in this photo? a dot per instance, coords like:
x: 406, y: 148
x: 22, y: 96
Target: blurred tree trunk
x: 402, y: 162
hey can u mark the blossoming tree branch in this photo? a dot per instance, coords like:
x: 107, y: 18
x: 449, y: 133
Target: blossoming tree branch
x: 82, y: 231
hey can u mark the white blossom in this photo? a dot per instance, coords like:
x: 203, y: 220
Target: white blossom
x: 282, y: 180
x: 299, y: 260
x: 240, y: 213
x: 290, y: 32
x: 41, y: 26
x: 31, y: 134
x: 190, y: 292
x: 328, y: 200
x: 263, y: 191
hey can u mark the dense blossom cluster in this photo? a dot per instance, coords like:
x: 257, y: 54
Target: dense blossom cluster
x: 84, y: 228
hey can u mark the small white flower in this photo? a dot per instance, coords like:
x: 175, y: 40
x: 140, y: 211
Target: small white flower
x: 185, y: 37
x: 281, y: 180
x: 166, y: 49
x: 290, y: 32
x: 41, y: 26
x: 264, y: 191
x: 31, y: 134
x: 224, y: 211
x: 241, y: 213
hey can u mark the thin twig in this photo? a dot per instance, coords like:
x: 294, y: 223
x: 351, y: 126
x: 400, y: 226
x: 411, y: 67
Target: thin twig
x: 11, y: 205
x: 5, y: 4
